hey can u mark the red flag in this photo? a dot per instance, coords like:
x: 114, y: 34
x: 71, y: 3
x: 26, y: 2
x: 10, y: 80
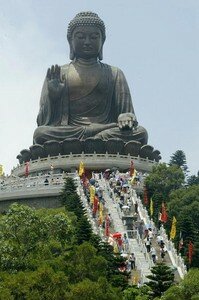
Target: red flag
x: 26, y: 168
x: 190, y: 252
x: 85, y: 180
x: 95, y: 204
x: 107, y: 226
x: 146, y: 200
x: 132, y: 169
x: 164, y: 216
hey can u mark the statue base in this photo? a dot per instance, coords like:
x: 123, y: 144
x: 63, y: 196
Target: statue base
x: 88, y: 146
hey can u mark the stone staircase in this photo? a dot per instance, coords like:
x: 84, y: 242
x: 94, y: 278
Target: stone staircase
x: 143, y: 261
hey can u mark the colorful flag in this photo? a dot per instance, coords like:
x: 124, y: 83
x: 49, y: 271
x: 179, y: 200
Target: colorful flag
x: 133, y: 177
x: 107, y: 226
x: 92, y: 193
x: 81, y: 168
x: 173, y: 228
x: 95, y: 204
x: 190, y: 251
x: 132, y: 169
x: 27, y: 165
x: 146, y: 200
x: 164, y: 216
x: 100, y: 214
x: 151, y: 207
x: 1, y: 170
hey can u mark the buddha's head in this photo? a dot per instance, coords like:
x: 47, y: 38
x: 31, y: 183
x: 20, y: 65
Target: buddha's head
x: 86, y: 35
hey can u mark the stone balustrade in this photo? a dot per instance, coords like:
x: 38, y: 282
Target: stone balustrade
x: 94, y: 161
x: 32, y: 186
x: 176, y: 259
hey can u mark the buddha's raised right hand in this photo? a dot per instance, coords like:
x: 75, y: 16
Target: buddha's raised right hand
x: 55, y: 83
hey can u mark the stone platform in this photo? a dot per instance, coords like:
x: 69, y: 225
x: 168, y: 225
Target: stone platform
x: 33, y: 190
x: 93, y: 162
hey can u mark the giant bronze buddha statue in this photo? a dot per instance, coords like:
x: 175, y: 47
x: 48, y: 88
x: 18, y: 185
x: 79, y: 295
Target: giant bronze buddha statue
x: 86, y: 105
x: 86, y: 98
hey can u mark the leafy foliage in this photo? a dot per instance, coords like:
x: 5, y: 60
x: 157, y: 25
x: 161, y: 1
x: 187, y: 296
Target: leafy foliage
x: 83, y: 230
x: 184, y: 203
x: 187, y: 289
x: 135, y: 293
x: 25, y: 234
x: 193, y: 179
x: 53, y: 254
x: 44, y: 283
x: 161, y: 279
x: 87, y: 289
x: 161, y: 182
x: 164, y: 179
x: 179, y: 159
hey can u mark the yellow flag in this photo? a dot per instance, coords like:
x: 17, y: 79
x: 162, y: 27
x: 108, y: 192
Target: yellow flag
x: 92, y: 193
x: 135, y: 279
x: 81, y: 168
x: 173, y: 229
x: 133, y: 176
x: 115, y: 248
x: 1, y: 170
x: 101, y: 207
x: 151, y: 206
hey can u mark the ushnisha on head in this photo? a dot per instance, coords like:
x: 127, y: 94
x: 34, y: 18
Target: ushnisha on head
x: 82, y: 20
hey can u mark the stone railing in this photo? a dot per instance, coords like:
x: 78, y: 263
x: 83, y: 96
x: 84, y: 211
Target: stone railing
x: 94, y: 161
x: 144, y: 261
x: 16, y: 187
x: 96, y: 229
x: 176, y: 259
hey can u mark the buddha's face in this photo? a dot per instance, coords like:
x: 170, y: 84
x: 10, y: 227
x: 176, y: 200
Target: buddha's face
x: 86, y: 42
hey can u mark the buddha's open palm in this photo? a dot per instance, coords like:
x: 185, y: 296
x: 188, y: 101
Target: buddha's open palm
x: 55, y: 83
x: 127, y: 121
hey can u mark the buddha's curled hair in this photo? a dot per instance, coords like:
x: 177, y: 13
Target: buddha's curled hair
x: 86, y: 18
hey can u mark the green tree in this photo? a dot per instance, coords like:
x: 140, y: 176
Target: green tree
x: 70, y: 199
x: 41, y: 284
x: 184, y: 203
x: 83, y: 230
x: 161, y: 182
x: 69, y: 188
x: 193, y: 179
x: 21, y: 230
x: 27, y: 237
x: 114, y: 276
x: 179, y: 159
x: 85, y: 263
x: 160, y: 280
x: 187, y: 289
x: 87, y: 290
x: 163, y: 179
x: 135, y: 293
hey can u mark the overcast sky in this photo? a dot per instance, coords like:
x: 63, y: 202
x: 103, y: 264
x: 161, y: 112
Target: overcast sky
x: 155, y: 43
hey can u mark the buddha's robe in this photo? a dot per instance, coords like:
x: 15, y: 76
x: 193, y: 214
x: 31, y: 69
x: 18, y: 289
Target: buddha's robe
x: 91, y: 113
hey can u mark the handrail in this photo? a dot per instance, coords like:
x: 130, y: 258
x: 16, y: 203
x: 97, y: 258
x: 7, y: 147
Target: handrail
x: 176, y: 259
x: 82, y: 156
x: 14, y: 187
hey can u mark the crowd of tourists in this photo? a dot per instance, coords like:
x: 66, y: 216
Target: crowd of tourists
x: 120, y: 192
